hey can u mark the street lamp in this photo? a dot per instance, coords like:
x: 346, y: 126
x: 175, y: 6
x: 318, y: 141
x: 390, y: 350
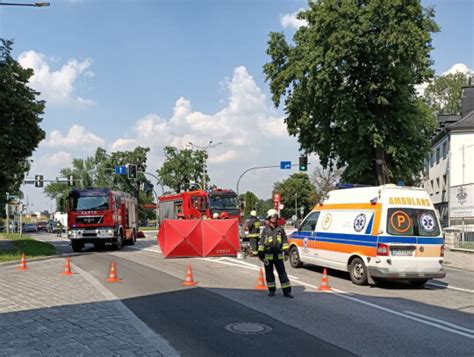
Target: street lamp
x: 35, y: 4
x: 204, y: 166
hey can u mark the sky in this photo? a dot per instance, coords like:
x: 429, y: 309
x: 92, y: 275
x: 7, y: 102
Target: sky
x: 123, y: 73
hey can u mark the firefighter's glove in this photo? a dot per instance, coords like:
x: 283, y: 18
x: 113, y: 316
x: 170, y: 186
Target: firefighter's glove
x: 261, y: 256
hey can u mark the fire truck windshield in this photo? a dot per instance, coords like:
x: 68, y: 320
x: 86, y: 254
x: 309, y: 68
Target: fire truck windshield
x: 223, y: 202
x: 88, y: 203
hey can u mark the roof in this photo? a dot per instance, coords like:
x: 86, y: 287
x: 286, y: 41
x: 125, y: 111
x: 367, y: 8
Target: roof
x: 465, y: 123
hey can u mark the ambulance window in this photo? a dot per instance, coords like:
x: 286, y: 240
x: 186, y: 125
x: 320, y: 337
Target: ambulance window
x: 427, y: 223
x: 309, y: 223
x: 400, y: 221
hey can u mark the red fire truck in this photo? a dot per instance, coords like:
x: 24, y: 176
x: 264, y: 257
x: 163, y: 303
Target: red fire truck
x: 196, y: 204
x: 99, y: 216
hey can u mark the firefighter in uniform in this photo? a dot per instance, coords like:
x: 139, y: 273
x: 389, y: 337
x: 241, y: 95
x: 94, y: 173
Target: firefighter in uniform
x: 273, y: 250
x: 59, y: 229
x: 253, y: 228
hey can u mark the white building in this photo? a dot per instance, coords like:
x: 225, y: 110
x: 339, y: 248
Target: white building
x: 450, y: 181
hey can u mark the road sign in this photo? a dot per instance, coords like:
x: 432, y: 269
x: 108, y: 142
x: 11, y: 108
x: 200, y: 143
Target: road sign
x: 121, y: 170
x: 285, y: 165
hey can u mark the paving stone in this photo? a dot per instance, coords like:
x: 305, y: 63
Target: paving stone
x: 44, y: 314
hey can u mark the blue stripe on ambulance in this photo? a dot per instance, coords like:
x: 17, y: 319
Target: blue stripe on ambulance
x: 363, y: 239
x: 369, y: 226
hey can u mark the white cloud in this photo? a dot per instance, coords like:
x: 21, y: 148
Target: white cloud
x: 77, y: 137
x: 56, y: 87
x: 291, y: 21
x: 57, y: 160
x: 251, y: 133
x: 459, y: 68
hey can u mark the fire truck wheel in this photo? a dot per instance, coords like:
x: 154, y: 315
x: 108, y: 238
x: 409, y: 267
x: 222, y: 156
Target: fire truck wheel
x: 77, y: 246
x: 119, y: 243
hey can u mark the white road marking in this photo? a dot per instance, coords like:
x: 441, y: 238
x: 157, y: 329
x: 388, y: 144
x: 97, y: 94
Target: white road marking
x: 441, y: 322
x: 449, y: 287
x: 237, y: 262
x: 346, y: 295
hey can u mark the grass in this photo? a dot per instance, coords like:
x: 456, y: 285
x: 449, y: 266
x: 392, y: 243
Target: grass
x: 24, y: 244
x: 147, y: 229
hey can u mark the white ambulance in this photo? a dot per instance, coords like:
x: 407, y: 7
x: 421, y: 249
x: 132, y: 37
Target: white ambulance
x: 378, y: 232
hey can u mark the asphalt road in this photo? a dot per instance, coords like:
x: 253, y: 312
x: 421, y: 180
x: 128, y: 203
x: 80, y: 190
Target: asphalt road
x: 393, y: 319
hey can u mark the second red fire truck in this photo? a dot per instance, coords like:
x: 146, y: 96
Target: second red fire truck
x: 199, y: 203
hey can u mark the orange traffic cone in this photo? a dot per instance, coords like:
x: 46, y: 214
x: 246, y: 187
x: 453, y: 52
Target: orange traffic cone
x: 324, y: 282
x: 113, y: 277
x: 22, y: 262
x: 189, y: 278
x: 67, y: 267
x: 260, y: 281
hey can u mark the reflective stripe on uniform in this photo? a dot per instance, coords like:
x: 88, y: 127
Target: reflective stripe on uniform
x: 280, y: 256
x: 286, y: 285
x: 261, y: 248
x: 269, y: 256
x: 285, y: 246
x: 271, y: 285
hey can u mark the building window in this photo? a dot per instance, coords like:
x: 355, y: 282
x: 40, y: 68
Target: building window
x: 437, y: 185
x: 444, y: 183
x: 432, y: 158
x: 431, y: 188
x: 445, y: 149
x: 437, y: 155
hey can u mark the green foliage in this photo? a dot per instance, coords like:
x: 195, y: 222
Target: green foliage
x: 250, y: 202
x: 443, y: 95
x: 296, y: 191
x: 181, y: 167
x: 20, y: 116
x: 263, y: 206
x: 348, y: 86
x: 98, y: 171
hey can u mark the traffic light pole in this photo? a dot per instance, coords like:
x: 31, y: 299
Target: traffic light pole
x: 255, y: 168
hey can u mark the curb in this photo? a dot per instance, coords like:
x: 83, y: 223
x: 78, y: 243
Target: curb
x: 465, y: 250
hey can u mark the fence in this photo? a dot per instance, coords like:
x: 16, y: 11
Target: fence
x: 459, y: 237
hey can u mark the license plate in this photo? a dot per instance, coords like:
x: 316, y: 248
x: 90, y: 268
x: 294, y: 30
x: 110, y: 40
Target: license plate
x: 402, y: 252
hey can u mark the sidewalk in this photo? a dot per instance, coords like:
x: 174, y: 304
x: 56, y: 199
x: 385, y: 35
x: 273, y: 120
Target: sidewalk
x: 43, y: 313
x: 459, y: 260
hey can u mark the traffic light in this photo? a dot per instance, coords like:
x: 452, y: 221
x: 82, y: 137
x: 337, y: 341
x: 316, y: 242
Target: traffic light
x: 38, y: 180
x: 132, y: 171
x: 303, y: 163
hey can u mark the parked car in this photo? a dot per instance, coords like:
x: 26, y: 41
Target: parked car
x: 30, y: 228
x: 42, y: 226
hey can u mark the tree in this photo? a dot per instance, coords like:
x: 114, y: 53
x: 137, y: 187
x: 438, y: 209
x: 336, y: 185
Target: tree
x: 181, y: 167
x: 325, y: 181
x: 250, y: 202
x: 443, y: 95
x: 98, y: 171
x: 348, y: 86
x: 20, y: 116
x: 296, y: 191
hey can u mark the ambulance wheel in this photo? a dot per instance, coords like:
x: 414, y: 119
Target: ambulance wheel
x: 77, y: 246
x: 418, y: 283
x: 295, y: 260
x: 358, y: 271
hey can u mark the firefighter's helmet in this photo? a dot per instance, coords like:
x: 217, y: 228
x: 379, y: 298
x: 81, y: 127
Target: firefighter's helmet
x: 224, y: 215
x: 215, y: 215
x: 253, y: 213
x: 272, y: 213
